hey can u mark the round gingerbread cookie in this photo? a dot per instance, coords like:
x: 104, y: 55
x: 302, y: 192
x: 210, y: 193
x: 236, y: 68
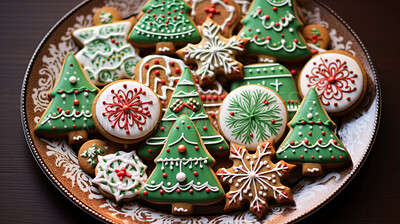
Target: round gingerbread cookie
x: 317, y: 37
x: 339, y: 79
x: 90, y: 150
x: 252, y: 114
x: 120, y: 175
x: 106, y: 15
x: 126, y: 111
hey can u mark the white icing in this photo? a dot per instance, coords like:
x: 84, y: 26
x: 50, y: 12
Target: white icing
x: 107, y: 174
x: 237, y: 94
x: 134, y: 132
x: 77, y: 138
x: 163, y: 49
x: 340, y: 99
x: 87, y: 60
x: 312, y: 170
x: 303, y: 144
x: 180, y: 209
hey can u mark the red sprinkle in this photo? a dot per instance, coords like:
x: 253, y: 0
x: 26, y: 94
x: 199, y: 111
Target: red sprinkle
x: 195, y: 173
x: 164, y: 175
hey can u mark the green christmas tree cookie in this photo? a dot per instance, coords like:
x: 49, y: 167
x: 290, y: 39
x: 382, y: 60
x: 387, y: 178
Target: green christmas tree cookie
x: 274, y: 76
x: 311, y: 141
x: 273, y: 29
x: 70, y: 111
x: 183, y: 176
x: 164, y: 24
x: 185, y: 100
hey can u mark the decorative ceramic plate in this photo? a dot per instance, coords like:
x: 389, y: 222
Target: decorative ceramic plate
x: 59, y: 161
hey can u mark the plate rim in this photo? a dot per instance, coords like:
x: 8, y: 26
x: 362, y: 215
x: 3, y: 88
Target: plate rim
x: 59, y: 186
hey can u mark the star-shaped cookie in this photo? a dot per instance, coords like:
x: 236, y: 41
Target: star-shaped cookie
x: 214, y: 55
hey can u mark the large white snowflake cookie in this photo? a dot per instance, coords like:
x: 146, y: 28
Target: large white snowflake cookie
x: 255, y: 178
x: 120, y: 175
x: 252, y: 114
x: 339, y: 79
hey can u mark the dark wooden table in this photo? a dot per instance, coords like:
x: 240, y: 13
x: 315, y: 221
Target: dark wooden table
x: 27, y: 195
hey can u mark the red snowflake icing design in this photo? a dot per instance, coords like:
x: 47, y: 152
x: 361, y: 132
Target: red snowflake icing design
x: 126, y: 108
x: 331, y: 80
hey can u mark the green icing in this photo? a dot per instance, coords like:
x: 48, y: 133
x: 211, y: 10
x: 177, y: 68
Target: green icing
x: 165, y: 22
x: 312, y: 119
x: 265, y: 27
x: 106, y: 55
x: 274, y: 76
x: 185, y: 93
x: 170, y: 162
x: 62, y: 113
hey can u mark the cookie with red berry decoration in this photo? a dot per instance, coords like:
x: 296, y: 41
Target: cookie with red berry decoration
x: 163, y: 25
x: 120, y: 175
x: 252, y: 114
x: 317, y: 37
x: 256, y: 179
x: 214, y: 55
x: 126, y: 111
x: 212, y: 96
x: 161, y: 74
x: 339, y: 79
x: 225, y: 13
x: 311, y: 141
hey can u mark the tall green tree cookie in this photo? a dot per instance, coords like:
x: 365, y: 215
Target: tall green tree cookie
x: 70, y: 111
x: 273, y: 29
x: 163, y: 24
x: 311, y: 141
x: 274, y: 76
x: 185, y: 100
x: 183, y: 176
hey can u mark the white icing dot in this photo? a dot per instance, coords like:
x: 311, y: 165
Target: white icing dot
x: 183, y: 122
x: 320, y: 157
x: 273, y: 176
x: 331, y: 135
x: 305, y: 150
x: 255, y: 156
x: 258, y: 30
x: 330, y: 150
x: 198, y: 183
x: 237, y: 185
x: 85, y: 119
x: 316, y: 113
x: 294, y: 151
x: 314, y: 102
x: 300, y: 127
x: 65, y: 126
x: 320, y: 127
x: 311, y: 127
x: 62, y: 118
x: 181, y: 176
x: 86, y: 94
x: 310, y: 108
x: 63, y: 95
x: 248, y: 157
x: 285, y: 157
x: 317, y: 149
x: 250, y: 70
x: 73, y: 119
x: 299, y: 133
x: 169, y: 184
x: 264, y: 194
x: 273, y: 181
x: 291, y: 30
x: 153, y: 182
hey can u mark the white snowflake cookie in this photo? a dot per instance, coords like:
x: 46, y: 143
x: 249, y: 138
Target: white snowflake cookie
x: 339, y: 79
x: 120, y: 175
x: 252, y: 114
x: 126, y: 111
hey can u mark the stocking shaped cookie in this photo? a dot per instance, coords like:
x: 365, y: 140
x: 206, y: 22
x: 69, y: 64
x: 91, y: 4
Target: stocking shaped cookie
x: 225, y: 13
x: 70, y: 111
x: 106, y: 55
x: 214, y: 54
x: 255, y: 178
x: 164, y: 24
x: 161, y: 74
x: 183, y: 176
x: 212, y: 96
x: 311, y: 141
x: 273, y: 30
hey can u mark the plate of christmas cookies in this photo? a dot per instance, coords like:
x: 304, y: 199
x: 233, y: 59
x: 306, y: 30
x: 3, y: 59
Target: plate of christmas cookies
x: 203, y: 111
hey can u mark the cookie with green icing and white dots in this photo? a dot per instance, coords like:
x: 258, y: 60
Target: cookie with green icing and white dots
x: 120, y: 175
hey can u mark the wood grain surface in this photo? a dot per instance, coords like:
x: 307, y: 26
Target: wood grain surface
x: 29, y: 197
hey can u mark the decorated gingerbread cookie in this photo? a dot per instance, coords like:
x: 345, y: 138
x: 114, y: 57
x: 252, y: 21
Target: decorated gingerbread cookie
x: 161, y: 74
x: 69, y: 113
x: 214, y: 54
x: 273, y: 29
x: 311, y: 141
x: 106, y: 55
x: 163, y: 25
x: 90, y: 150
x: 126, y: 111
x: 212, y: 96
x: 317, y: 37
x: 106, y: 15
x: 274, y: 76
x: 252, y: 114
x: 339, y: 79
x: 183, y: 176
x: 256, y: 179
x: 225, y: 13
x: 185, y: 100
x: 120, y: 175
x: 244, y: 6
